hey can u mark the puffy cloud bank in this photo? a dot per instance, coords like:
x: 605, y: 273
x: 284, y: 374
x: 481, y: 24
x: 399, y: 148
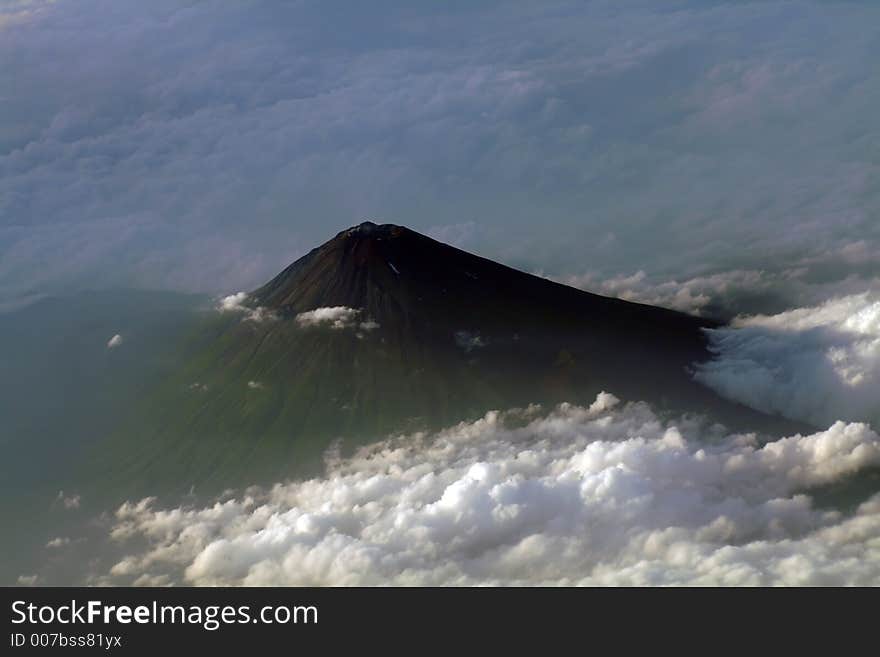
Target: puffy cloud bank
x: 779, y: 285
x: 336, y: 317
x: 816, y: 364
x: 607, y: 494
x: 708, y: 295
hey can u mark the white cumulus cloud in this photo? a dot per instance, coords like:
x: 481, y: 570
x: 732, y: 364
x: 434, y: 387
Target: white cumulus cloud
x: 606, y: 494
x: 233, y: 303
x: 68, y: 501
x: 336, y: 317
x: 816, y: 364
x: 236, y: 303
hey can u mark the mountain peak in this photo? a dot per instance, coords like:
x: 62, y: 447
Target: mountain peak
x: 392, y: 271
x: 371, y: 229
x: 415, y: 333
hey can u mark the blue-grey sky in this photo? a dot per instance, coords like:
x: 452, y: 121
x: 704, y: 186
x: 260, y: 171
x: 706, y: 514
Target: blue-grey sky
x: 203, y: 145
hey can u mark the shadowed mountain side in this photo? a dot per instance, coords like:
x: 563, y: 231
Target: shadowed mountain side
x: 422, y: 335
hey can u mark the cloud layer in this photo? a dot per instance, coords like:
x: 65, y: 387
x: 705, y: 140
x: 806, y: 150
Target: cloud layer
x: 780, y: 284
x: 608, y: 494
x: 817, y: 364
x: 204, y: 146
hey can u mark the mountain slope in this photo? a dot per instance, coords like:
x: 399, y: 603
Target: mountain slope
x: 382, y: 329
x: 61, y: 391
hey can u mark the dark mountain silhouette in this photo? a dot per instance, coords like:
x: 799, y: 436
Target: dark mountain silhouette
x: 414, y: 334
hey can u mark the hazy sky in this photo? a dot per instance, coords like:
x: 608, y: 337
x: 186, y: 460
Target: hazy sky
x: 204, y: 145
